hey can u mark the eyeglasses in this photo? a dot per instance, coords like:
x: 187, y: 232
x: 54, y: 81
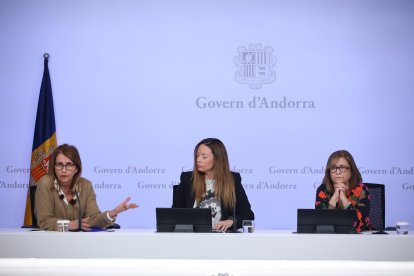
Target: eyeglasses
x: 68, y: 166
x: 341, y: 169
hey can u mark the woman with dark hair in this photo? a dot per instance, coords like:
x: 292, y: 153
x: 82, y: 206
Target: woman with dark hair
x: 211, y: 184
x: 60, y: 193
x: 342, y: 188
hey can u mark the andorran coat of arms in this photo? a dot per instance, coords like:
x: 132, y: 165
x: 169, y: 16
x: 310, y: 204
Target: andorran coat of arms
x: 255, y: 65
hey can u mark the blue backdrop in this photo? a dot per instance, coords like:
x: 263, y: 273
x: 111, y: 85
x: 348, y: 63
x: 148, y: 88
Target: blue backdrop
x: 283, y: 84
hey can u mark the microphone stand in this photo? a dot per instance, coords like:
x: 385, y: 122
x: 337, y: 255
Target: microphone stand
x: 234, y: 228
x: 79, y: 213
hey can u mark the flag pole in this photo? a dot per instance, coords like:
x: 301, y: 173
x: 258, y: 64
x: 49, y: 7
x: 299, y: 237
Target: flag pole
x: 44, y: 142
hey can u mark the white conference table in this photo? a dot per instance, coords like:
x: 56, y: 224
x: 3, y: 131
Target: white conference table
x: 162, y: 253
x: 261, y: 245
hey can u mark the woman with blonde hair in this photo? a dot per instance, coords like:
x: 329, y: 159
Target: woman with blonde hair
x: 211, y: 184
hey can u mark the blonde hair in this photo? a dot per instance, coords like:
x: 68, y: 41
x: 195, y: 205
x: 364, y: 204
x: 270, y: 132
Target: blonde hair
x: 224, y: 181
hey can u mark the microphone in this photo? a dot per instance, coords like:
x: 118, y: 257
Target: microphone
x: 79, y: 214
x: 71, y: 202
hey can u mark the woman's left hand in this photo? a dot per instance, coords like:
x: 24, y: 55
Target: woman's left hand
x: 343, y: 188
x: 123, y: 207
x: 223, y: 225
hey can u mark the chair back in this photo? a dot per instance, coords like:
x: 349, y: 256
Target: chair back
x: 32, y: 194
x: 32, y: 203
x: 175, y: 194
x: 377, y: 205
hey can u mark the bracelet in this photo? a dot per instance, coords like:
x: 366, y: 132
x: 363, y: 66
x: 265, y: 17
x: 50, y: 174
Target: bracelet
x: 108, y: 216
x: 348, y: 205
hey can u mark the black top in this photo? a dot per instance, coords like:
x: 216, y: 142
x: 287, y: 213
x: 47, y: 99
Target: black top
x: 184, y: 197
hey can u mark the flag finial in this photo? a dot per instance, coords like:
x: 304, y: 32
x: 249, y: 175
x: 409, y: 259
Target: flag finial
x: 46, y: 55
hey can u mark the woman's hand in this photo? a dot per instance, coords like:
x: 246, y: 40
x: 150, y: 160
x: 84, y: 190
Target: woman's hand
x: 339, y: 194
x: 343, y: 188
x: 223, y: 225
x: 74, y: 224
x: 334, y: 198
x: 123, y: 207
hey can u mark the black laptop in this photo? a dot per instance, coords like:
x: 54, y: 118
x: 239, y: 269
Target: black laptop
x: 183, y: 220
x: 334, y: 221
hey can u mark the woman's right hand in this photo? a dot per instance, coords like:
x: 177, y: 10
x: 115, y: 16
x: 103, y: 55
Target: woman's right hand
x: 339, y: 194
x: 334, y: 198
x: 73, y: 224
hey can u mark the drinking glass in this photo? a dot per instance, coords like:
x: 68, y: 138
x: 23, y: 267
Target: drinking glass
x: 248, y: 226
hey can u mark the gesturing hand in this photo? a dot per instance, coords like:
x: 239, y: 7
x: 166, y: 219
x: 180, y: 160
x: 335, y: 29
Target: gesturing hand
x: 123, y: 207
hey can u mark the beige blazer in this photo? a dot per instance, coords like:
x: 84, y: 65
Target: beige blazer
x: 49, y: 206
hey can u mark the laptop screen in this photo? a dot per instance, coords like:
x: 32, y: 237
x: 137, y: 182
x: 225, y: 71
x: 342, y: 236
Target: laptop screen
x: 183, y: 219
x: 337, y: 221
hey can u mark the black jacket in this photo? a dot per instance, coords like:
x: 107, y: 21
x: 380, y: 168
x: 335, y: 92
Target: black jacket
x: 183, y: 197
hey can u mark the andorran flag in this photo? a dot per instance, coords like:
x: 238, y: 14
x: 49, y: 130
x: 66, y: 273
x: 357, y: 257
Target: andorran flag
x: 44, y: 142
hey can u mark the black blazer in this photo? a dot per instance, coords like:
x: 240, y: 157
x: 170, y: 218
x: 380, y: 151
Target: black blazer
x: 183, y: 197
